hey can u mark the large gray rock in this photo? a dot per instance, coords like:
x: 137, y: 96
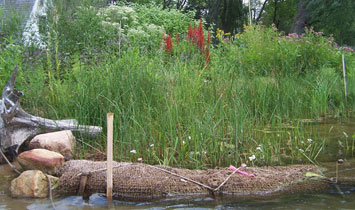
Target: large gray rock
x: 31, y: 184
x: 40, y: 159
x: 62, y: 142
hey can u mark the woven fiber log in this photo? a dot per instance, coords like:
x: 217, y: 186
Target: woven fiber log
x: 142, y: 181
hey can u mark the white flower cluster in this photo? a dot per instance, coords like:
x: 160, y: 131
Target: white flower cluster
x: 125, y: 20
x: 119, y: 14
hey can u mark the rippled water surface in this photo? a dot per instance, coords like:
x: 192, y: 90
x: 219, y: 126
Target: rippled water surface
x: 327, y: 200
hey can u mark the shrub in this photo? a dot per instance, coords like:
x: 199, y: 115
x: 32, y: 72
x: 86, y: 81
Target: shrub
x: 265, y: 51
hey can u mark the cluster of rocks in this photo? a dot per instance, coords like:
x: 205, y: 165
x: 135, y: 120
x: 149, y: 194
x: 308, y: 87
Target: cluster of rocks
x: 47, y: 153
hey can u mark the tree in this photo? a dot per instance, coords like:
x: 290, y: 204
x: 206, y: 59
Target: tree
x: 279, y: 12
x: 301, y: 19
x: 334, y: 17
x: 232, y: 16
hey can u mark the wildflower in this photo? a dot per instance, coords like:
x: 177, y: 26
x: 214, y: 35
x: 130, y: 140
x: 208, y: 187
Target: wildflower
x: 345, y: 134
x: 201, y: 38
x: 152, y: 145
x: 183, y: 142
x: 190, y: 32
x: 251, y: 158
x: 194, y: 153
x: 309, y: 140
x: 301, y: 150
x: 259, y: 148
x: 139, y: 159
x: 348, y: 49
x: 308, y: 42
x: 168, y: 43
x: 292, y: 35
x: 133, y: 151
x: 189, y: 137
x: 207, y: 58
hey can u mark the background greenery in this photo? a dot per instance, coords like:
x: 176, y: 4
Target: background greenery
x: 179, y: 108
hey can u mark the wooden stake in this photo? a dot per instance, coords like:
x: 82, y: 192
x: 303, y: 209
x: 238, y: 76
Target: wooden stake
x: 344, y: 75
x: 109, y: 157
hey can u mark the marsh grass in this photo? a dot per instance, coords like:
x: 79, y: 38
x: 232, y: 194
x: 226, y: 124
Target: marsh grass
x: 243, y: 106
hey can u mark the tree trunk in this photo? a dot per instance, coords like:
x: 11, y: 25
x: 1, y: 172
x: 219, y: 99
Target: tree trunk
x: 275, y: 13
x: 224, y: 15
x: 301, y: 19
x: 261, y: 11
x: 213, y: 7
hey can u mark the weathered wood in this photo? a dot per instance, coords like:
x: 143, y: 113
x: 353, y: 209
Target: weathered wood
x: 109, y: 179
x: 16, y: 125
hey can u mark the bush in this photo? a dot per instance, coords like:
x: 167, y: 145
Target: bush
x: 143, y: 25
x: 265, y: 51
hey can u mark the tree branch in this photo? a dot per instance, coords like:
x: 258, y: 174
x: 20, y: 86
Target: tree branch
x: 261, y: 11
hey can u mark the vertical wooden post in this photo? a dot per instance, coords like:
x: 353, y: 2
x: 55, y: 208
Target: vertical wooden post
x: 109, y: 157
x: 344, y: 75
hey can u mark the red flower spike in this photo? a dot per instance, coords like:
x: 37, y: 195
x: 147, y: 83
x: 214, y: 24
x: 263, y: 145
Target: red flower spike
x: 190, y: 33
x: 168, y: 44
x: 207, y: 58
x: 200, y: 29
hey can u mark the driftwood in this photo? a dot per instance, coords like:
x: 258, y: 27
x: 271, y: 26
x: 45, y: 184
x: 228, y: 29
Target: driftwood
x: 16, y: 125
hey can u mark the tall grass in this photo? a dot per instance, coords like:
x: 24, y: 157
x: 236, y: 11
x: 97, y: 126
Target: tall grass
x: 180, y: 109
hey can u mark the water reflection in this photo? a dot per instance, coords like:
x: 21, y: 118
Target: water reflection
x: 328, y: 200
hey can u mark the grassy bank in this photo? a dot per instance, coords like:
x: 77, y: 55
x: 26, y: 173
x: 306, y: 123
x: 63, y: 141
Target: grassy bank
x: 243, y: 101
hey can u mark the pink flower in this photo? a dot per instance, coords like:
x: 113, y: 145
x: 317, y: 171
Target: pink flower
x: 348, y: 49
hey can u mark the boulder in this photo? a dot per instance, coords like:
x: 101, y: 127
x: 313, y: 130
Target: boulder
x: 62, y: 142
x: 40, y: 159
x: 31, y: 184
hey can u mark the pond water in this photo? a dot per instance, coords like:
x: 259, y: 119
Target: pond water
x: 337, y: 197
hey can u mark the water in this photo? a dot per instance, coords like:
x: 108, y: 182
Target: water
x: 337, y: 197
x: 338, y: 136
x: 331, y: 199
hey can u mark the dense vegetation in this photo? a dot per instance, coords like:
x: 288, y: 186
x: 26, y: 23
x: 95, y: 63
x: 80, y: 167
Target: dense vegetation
x: 178, y: 99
